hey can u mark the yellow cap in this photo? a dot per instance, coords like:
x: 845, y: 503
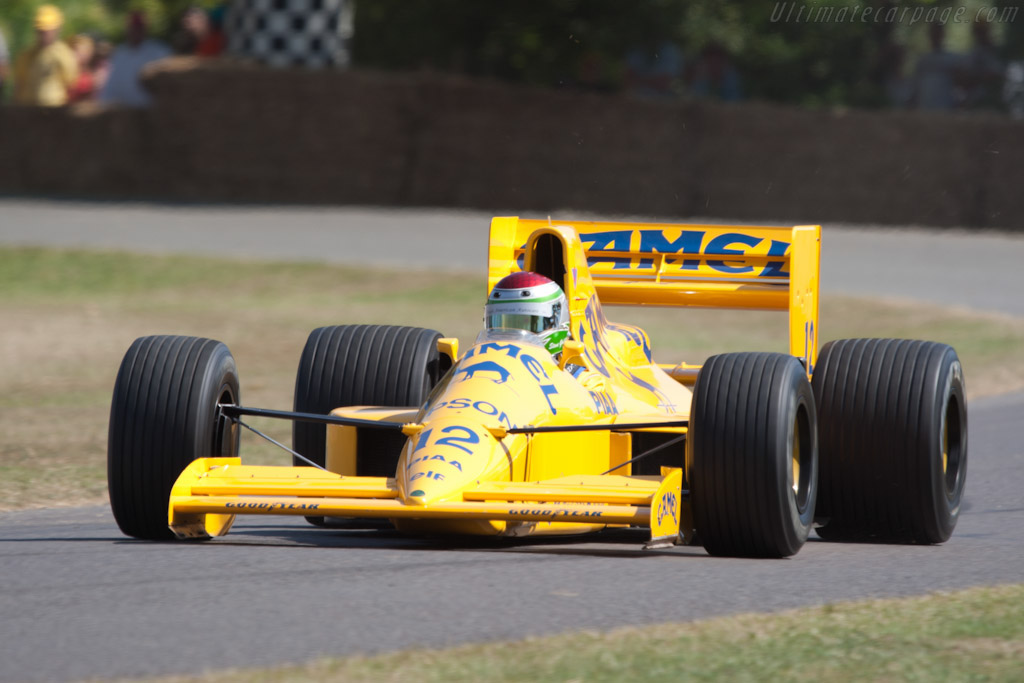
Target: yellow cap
x: 49, y: 17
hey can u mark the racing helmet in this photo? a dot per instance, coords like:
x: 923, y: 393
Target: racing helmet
x: 531, y: 302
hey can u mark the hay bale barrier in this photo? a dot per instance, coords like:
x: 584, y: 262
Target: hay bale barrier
x: 230, y: 131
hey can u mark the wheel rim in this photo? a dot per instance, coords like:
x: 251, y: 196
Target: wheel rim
x: 800, y: 471
x: 952, y: 447
x: 225, y: 434
x: 945, y: 450
x: 795, y: 483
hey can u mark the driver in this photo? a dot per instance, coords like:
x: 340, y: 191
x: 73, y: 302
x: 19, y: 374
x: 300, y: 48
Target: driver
x: 531, y: 302
x: 535, y: 303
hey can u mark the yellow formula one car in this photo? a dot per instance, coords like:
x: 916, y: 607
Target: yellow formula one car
x: 557, y: 421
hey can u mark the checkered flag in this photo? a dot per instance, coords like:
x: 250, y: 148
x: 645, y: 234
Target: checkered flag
x: 312, y: 33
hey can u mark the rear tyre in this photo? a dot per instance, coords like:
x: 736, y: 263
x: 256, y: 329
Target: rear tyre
x: 892, y: 416
x: 752, y: 455
x: 164, y: 414
x: 349, y: 365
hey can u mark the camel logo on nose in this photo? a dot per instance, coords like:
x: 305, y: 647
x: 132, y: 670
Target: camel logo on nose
x: 485, y: 366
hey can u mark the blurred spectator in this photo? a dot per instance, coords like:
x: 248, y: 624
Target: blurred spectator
x: 887, y: 71
x: 100, y: 65
x: 895, y: 84
x: 984, y: 78
x: 654, y: 71
x: 934, y: 81
x: 126, y: 62
x: 215, y: 41
x: 714, y: 75
x: 186, y: 37
x: 1013, y: 89
x: 44, y: 73
x: 200, y: 33
x: 5, y: 60
x: 85, y: 51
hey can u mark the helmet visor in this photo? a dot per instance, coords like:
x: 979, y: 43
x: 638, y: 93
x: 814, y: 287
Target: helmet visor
x: 518, y: 321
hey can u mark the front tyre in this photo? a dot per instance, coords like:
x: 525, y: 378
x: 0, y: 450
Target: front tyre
x: 892, y: 415
x: 164, y: 414
x: 378, y: 365
x: 346, y: 365
x: 752, y: 455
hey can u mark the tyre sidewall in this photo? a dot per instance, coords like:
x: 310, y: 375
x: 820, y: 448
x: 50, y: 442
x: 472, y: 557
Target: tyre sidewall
x: 213, y: 435
x: 793, y: 397
x: 948, y: 393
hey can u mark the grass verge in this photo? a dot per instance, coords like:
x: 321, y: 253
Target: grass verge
x: 69, y: 316
x: 971, y: 635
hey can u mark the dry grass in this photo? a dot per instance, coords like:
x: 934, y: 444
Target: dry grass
x: 68, y: 317
x: 971, y: 635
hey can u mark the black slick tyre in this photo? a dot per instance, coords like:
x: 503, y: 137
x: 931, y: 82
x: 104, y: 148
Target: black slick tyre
x: 164, y: 414
x: 752, y: 455
x: 892, y: 418
x: 346, y: 365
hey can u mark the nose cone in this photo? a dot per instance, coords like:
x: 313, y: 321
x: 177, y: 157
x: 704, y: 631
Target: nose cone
x: 445, y: 458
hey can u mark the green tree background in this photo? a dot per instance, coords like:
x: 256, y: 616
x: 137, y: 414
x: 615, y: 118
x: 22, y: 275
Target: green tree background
x: 564, y: 43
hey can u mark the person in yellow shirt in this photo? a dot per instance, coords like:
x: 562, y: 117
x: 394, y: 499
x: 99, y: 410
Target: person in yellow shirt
x: 45, y: 72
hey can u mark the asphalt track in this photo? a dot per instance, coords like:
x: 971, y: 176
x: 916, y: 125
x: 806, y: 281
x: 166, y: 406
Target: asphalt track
x: 79, y: 600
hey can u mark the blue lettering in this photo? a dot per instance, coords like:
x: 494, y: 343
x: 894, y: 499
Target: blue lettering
x: 422, y: 440
x: 436, y: 476
x: 557, y: 512
x: 663, y: 400
x: 485, y: 366
x: 603, y: 403
x: 510, y: 350
x: 667, y: 506
x: 615, y: 240
x: 272, y: 506
x: 719, y: 246
x: 485, y: 408
x: 461, y: 404
x: 595, y: 359
x: 548, y: 390
x: 688, y: 242
x: 470, y: 437
x: 490, y: 410
x: 775, y: 268
x: 626, y: 332
x: 454, y: 463
x: 535, y: 367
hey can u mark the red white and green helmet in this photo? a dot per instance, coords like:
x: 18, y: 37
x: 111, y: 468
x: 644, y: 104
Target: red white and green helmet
x: 531, y: 302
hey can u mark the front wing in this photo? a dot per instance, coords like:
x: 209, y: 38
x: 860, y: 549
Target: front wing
x: 211, y: 491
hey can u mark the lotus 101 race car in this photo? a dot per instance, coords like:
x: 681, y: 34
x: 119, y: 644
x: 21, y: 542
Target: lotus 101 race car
x: 743, y: 454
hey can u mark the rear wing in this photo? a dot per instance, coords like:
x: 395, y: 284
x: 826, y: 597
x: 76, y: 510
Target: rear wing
x: 709, y: 266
